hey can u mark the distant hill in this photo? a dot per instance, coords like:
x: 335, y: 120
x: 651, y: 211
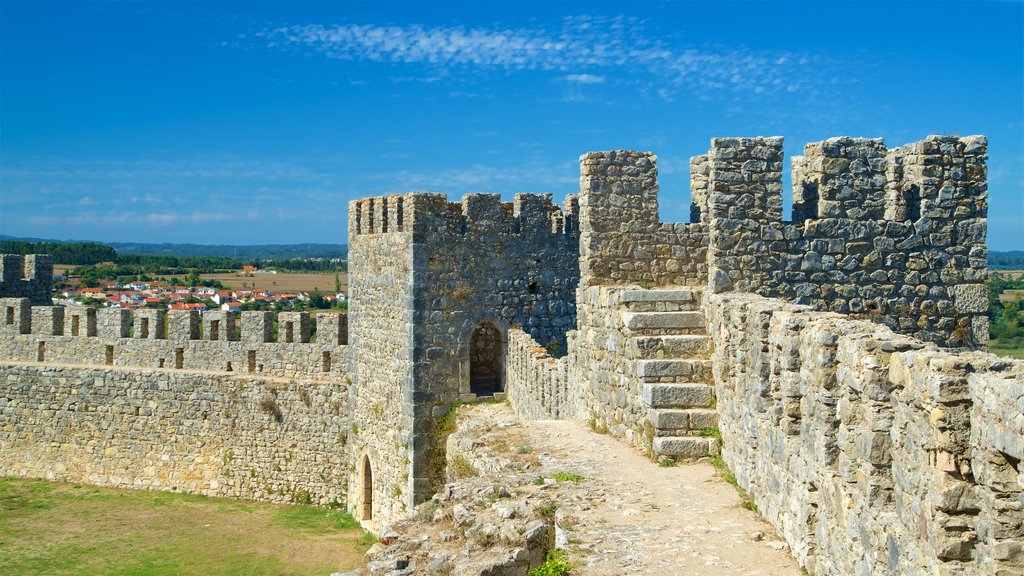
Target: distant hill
x: 245, y: 252
x: 1012, y: 260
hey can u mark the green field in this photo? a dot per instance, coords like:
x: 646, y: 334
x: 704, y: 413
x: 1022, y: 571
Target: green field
x: 55, y: 528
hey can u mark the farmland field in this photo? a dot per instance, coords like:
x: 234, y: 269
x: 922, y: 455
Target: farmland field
x: 57, y: 528
x: 281, y: 282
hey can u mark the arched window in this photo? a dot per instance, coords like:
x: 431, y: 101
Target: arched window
x: 485, y: 358
x: 367, y: 511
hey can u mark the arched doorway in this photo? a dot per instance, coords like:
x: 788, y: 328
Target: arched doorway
x: 367, y: 511
x: 485, y: 357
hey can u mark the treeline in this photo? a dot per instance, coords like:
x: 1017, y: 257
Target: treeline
x: 300, y: 265
x: 1005, y: 323
x: 1013, y: 260
x: 62, y: 252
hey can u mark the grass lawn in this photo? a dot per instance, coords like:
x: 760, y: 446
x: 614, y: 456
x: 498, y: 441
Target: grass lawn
x: 1007, y: 351
x: 55, y: 528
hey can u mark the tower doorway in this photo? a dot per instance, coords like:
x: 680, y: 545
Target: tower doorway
x: 485, y: 360
x: 367, y: 511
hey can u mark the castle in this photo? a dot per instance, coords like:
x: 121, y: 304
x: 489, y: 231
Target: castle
x: 837, y: 353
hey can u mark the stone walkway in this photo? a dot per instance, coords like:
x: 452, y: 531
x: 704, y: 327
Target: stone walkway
x: 630, y: 516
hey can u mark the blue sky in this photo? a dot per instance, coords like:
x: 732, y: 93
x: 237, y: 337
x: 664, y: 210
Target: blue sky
x: 251, y: 123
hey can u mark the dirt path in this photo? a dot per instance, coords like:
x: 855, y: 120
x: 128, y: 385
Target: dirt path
x: 633, y: 517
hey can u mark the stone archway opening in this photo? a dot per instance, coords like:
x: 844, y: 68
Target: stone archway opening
x: 485, y: 360
x: 367, y: 509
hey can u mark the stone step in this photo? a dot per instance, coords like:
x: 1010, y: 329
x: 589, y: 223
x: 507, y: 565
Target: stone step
x: 685, y: 446
x: 678, y: 422
x: 661, y: 300
x: 669, y: 346
x: 677, y: 395
x: 664, y: 323
x: 674, y: 369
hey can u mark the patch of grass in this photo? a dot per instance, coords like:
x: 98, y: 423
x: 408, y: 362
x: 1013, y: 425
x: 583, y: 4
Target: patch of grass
x: 711, y: 433
x: 461, y: 467
x: 746, y: 501
x: 568, y: 477
x: 525, y: 449
x: 556, y: 564
x: 134, y: 532
x: 667, y: 463
x: 443, y: 427
x: 547, y: 510
x: 316, y: 520
x: 538, y: 481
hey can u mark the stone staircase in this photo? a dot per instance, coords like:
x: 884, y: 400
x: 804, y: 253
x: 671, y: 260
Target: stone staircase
x: 669, y: 348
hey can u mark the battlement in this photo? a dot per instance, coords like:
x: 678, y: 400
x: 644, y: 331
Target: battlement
x: 182, y: 339
x: 27, y: 276
x: 897, y: 233
x: 422, y: 213
x: 848, y: 178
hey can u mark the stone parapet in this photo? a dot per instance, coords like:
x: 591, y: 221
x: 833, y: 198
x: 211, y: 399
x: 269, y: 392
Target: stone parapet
x: 871, y: 452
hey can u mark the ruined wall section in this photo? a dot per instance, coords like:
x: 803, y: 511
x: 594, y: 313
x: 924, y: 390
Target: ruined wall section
x: 871, y: 452
x: 895, y: 235
x: 621, y: 240
x: 381, y: 358
x: 240, y: 436
x: 29, y: 276
x: 538, y: 384
x: 226, y: 342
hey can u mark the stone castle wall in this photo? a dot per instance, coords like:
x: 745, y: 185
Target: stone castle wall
x: 539, y: 386
x: 871, y: 452
x: 158, y: 339
x: 244, y: 436
x: 896, y: 235
x: 381, y: 347
x: 450, y: 268
x: 622, y: 241
x: 29, y: 276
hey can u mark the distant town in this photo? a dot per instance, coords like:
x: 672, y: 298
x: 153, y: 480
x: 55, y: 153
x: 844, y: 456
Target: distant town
x: 172, y: 294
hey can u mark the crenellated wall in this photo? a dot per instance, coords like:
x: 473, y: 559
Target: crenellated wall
x: 871, y: 452
x: 425, y: 274
x: 895, y: 235
x: 621, y: 239
x: 29, y: 276
x: 158, y: 339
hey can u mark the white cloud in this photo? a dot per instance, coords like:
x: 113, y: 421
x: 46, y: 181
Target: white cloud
x: 585, y: 78
x: 591, y: 43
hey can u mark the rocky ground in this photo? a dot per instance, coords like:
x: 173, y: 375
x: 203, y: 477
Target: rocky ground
x: 516, y: 490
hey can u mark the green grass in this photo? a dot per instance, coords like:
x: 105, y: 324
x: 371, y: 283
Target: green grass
x: 56, y: 528
x: 555, y: 564
x: 1008, y: 351
x: 568, y: 477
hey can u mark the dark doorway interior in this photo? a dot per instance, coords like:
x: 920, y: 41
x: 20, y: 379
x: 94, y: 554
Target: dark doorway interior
x: 485, y: 373
x: 367, y: 512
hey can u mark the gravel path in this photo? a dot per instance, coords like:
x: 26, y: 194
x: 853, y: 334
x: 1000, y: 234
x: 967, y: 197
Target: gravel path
x: 631, y: 516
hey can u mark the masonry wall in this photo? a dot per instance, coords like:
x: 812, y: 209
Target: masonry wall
x: 895, y: 235
x: 538, y: 385
x: 241, y: 436
x: 622, y: 241
x: 381, y: 358
x: 871, y: 452
x: 81, y: 335
x: 29, y: 276
x: 462, y: 265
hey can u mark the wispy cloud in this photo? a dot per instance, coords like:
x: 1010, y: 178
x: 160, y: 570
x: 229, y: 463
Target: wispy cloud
x: 585, y: 78
x: 582, y: 45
